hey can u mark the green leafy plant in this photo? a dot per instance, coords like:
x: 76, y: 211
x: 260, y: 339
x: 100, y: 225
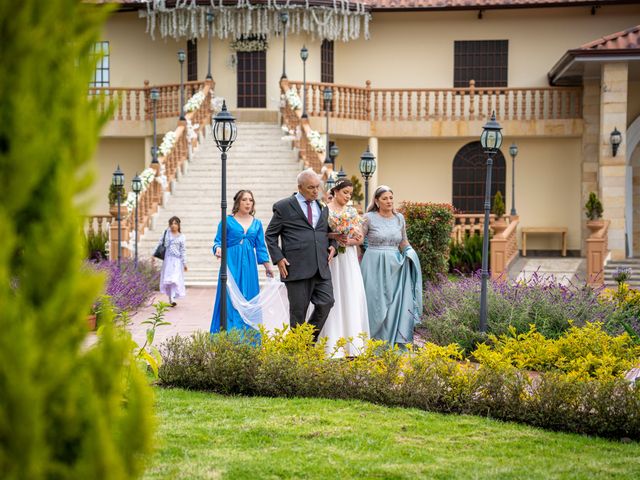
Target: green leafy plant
x: 498, y: 207
x: 97, y: 245
x: 466, y: 257
x: 593, y: 207
x: 66, y: 410
x: 113, y: 195
x: 357, y: 196
x: 429, y: 227
x: 148, y: 353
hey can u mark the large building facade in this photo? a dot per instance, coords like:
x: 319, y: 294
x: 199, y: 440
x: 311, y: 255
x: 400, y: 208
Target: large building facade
x: 415, y: 81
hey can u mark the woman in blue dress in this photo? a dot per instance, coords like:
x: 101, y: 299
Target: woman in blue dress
x: 245, y: 249
x: 391, y: 272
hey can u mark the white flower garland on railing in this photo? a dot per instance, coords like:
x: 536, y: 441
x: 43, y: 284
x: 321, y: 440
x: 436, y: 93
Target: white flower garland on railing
x: 168, y: 141
x: 216, y: 104
x: 289, y: 135
x: 293, y: 99
x: 249, y: 45
x: 194, y: 102
x: 192, y: 130
x: 316, y: 140
x: 146, y: 177
x: 342, y: 21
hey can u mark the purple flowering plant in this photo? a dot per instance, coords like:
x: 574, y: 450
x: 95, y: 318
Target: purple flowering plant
x: 129, y: 288
x: 452, y: 308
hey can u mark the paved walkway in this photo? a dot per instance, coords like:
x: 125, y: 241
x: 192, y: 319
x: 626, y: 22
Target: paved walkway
x: 192, y: 313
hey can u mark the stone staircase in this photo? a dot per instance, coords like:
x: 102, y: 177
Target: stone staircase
x: 259, y: 160
x: 612, y: 265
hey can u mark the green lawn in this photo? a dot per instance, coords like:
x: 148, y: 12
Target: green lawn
x: 208, y: 436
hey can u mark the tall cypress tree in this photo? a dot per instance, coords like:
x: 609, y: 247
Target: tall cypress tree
x: 65, y: 411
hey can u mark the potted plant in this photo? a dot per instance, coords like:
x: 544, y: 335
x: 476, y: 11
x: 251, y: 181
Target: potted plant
x: 498, y: 209
x: 357, y: 196
x: 594, y: 211
x: 91, y: 318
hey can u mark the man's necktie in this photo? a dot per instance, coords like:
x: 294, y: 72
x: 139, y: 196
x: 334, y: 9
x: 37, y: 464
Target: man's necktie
x: 309, y: 212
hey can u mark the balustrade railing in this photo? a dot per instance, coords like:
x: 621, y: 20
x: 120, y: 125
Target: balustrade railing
x: 97, y: 224
x: 504, y: 248
x: 466, y: 224
x: 135, y: 103
x: 168, y: 166
x: 421, y: 104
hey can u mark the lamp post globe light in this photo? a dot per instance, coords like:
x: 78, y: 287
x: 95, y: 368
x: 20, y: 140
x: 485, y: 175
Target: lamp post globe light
x: 304, y: 54
x: 513, y: 151
x: 210, y: 18
x: 341, y: 174
x: 155, y: 96
x: 181, y: 58
x: 616, y: 140
x: 136, y: 187
x: 491, y: 140
x: 327, y: 95
x: 224, y: 133
x: 330, y: 183
x: 117, y: 180
x: 367, y: 169
x: 284, y: 18
x: 334, y: 151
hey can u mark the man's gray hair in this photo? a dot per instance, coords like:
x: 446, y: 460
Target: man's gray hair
x: 309, y: 173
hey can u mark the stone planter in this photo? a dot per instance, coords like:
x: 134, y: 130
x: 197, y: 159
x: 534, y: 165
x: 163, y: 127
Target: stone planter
x: 595, y: 225
x: 499, y: 226
x: 91, y: 322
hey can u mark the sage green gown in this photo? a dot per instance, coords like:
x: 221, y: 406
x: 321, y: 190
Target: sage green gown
x: 392, y: 279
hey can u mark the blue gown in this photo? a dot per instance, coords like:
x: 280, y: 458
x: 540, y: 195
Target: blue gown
x: 245, y: 250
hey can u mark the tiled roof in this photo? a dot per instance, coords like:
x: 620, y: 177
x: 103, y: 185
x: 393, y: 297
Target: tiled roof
x: 482, y: 4
x: 628, y: 39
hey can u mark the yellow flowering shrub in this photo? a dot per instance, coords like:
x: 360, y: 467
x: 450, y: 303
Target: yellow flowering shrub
x: 583, y: 353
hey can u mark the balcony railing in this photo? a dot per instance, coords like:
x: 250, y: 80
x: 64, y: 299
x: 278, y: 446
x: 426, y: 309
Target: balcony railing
x: 135, y: 103
x: 421, y: 104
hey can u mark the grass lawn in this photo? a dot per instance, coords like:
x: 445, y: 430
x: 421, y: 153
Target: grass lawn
x: 208, y: 436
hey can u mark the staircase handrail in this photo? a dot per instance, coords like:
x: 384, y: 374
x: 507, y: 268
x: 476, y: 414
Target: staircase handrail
x: 293, y: 121
x: 504, y: 249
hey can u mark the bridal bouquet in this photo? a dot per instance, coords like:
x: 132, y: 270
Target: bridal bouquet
x: 345, y: 223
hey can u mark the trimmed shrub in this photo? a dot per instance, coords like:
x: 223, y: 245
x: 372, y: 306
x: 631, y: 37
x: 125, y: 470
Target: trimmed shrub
x: 97, y: 245
x: 451, y: 309
x: 432, y: 378
x: 65, y: 411
x: 466, y: 257
x: 429, y: 227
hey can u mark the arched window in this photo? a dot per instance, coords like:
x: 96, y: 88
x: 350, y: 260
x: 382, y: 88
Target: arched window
x: 469, y: 176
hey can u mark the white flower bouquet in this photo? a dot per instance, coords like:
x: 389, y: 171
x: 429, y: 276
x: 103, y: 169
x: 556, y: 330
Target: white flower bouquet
x: 316, y: 141
x: 293, y: 99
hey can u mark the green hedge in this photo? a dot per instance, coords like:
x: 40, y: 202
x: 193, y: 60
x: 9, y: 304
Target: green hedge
x: 429, y: 227
x: 432, y: 378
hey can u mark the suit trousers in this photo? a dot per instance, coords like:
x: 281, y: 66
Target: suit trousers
x: 316, y: 290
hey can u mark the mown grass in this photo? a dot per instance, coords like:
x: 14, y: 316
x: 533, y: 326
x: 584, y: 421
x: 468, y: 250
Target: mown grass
x: 209, y: 436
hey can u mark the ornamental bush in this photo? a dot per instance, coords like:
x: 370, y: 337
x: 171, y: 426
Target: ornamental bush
x: 429, y: 227
x: 451, y: 309
x: 432, y: 378
x: 66, y: 412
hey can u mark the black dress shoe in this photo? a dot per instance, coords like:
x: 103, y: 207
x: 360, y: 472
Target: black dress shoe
x: 173, y: 304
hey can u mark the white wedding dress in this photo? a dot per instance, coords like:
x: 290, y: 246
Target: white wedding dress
x: 348, y: 317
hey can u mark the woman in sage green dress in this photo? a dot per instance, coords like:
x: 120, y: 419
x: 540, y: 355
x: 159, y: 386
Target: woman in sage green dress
x: 391, y: 272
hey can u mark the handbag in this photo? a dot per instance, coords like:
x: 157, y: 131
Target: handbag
x: 161, y: 249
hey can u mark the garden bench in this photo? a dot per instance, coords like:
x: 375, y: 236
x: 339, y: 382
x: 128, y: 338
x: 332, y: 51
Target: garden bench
x: 544, y: 230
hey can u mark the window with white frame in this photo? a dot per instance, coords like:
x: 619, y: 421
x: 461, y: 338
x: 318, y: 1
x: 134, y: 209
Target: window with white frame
x: 100, y: 54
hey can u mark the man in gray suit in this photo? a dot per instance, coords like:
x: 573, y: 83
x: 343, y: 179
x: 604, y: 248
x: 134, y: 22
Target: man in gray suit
x: 301, y: 223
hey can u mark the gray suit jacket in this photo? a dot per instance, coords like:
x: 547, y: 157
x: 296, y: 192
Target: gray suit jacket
x: 305, y: 248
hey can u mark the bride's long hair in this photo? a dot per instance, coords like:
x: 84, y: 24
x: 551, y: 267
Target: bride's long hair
x: 373, y: 206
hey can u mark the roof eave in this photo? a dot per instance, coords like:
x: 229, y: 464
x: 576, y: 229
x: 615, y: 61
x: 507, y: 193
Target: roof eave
x: 586, y: 3
x: 573, y: 57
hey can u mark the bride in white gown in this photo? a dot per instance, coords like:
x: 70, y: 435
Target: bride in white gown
x: 348, y: 318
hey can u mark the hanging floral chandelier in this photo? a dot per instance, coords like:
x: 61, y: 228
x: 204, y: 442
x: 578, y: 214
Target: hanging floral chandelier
x: 325, y: 19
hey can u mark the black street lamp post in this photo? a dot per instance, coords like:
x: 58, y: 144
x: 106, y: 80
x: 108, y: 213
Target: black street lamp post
x: 155, y: 96
x: 334, y: 151
x: 330, y: 182
x: 224, y: 133
x: 304, y: 54
x: 117, y: 180
x: 181, y: 59
x: 284, y: 18
x: 136, y: 187
x: 513, y: 151
x: 367, y: 169
x: 491, y: 139
x: 327, y: 95
x: 341, y: 174
x: 210, y: 17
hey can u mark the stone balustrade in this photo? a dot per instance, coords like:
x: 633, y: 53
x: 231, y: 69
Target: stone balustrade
x: 504, y: 248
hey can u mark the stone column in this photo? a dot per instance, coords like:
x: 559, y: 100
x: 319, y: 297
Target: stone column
x: 612, y: 170
x: 590, y: 140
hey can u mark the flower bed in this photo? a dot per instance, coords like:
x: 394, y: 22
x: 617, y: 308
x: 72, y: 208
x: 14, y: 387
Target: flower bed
x: 431, y: 378
x: 451, y: 309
